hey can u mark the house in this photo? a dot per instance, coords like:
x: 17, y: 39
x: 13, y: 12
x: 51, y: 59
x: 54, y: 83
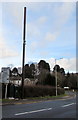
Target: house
x: 29, y: 81
x: 16, y: 80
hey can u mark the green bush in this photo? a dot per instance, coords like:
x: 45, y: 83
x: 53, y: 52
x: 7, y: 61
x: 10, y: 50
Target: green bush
x: 60, y: 91
x: 37, y: 91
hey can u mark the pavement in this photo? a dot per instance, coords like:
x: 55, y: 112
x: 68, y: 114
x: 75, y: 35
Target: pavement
x: 28, y: 101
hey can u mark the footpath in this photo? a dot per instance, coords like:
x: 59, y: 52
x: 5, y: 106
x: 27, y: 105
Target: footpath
x: 34, y: 100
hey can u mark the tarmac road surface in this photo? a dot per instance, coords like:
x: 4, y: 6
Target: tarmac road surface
x: 65, y: 108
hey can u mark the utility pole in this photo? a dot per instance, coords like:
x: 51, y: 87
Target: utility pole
x: 56, y: 74
x: 23, y: 60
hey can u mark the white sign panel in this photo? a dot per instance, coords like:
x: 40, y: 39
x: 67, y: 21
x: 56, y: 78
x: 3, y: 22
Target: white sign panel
x: 5, y: 75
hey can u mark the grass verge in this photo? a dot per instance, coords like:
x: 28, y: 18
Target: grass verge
x: 47, y: 97
x: 36, y: 98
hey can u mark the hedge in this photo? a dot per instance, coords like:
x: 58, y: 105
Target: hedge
x: 37, y: 91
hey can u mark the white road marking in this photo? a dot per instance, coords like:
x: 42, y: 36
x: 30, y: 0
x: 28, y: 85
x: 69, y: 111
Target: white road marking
x: 33, y: 111
x: 68, y: 105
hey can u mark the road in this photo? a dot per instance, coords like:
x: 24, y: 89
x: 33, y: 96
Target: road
x: 65, y: 108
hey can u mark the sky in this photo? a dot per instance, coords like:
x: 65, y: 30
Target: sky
x: 50, y: 33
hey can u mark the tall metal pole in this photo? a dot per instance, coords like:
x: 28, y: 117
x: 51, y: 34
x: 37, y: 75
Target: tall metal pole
x: 56, y: 76
x: 23, y: 60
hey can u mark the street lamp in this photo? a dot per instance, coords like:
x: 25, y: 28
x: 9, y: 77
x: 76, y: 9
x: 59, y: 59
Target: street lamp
x: 56, y: 74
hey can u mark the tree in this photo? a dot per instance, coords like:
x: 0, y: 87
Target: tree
x: 42, y: 76
x: 47, y: 67
x: 15, y: 71
x: 43, y: 65
x: 44, y: 69
x: 28, y: 72
x: 56, y: 68
x: 49, y: 80
x: 72, y: 81
x: 60, y: 75
x: 60, y: 79
x: 62, y: 71
x: 45, y: 78
x: 68, y: 74
x: 32, y: 68
x: 10, y: 73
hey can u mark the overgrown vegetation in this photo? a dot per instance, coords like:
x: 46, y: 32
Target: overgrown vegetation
x: 46, y: 81
x: 45, y: 77
x: 37, y: 91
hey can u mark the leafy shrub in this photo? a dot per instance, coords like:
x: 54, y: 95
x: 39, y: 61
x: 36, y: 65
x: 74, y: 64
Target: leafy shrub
x: 46, y: 78
x: 49, y: 80
x: 37, y: 91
